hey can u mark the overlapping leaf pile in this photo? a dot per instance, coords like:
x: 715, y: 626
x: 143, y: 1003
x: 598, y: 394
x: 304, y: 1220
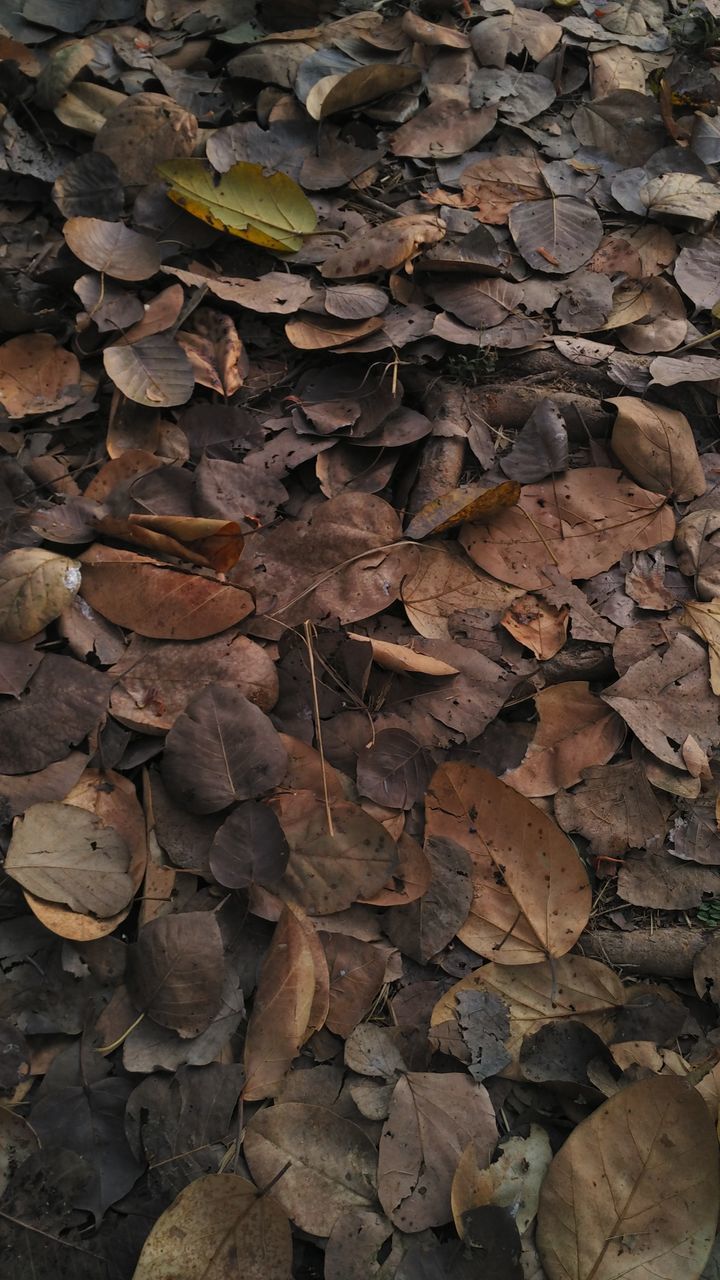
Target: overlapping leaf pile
x: 359, y: 640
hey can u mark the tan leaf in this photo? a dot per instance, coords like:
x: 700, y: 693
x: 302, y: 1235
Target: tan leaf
x: 570, y: 987
x: 316, y: 333
x: 512, y: 1181
x: 531, y: 892
x: 64, y: 854
x: 614, y: 808
x: 35, y: 587
x: 635, y: 1182
x: 389, y: 245
x: 705, y: 621
x: 401, y: 658
x: 432, y: 1117
x: 538, y: 626
x: 472, y: 503
x: 444, y: 584
x: 656, y: 446
x: 156, y: 600
x: 142, y: 130
x: 112, y: 248
x: 217, y: 1226
x: 328, y: 1163
x: 582, y: 523
x: 492, y: 186
x: 573, y: 734
x: 36, y: 375
x: 281, y: 1009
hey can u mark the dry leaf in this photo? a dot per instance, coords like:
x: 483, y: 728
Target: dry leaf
x: 176, y: 970
x: 531, y: 893
x: 705, y: 622
x: 614, y: 809
x: 636, y: 1181
x: 581, y: 523
x: 443, y: 584
x: 112, y: 248
x: 472, y: 503
x: 422, y: 928
x: 64, y: 854
x: 512, y: 1181
x: 36, y: 375
x: 281, y: 1009
x: 390, y: 245
x: 656, y: 447
x: 572, y: 735
x: 540, y: 627
x: 431, y: 1120
x: 35, y: 587
x: 218, y: 1224
x: 541, y: 447
x: 394, y: 769
x: 271, y: 211
x: 249, y: 848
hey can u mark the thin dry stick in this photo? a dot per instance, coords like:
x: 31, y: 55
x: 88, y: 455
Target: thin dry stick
x: 541, y: 536
x: 307, y: 625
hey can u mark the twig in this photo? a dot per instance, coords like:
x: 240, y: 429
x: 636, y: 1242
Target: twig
x: 307, y: 625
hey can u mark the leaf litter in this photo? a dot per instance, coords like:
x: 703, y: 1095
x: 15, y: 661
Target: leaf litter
x: 359, y: 640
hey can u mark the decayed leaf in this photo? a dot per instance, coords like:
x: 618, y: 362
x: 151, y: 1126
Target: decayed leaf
x: 556, y: 235
x: 222, y: 748
x: 36, y: 375
x: 281, y: 1009
x: 614, y: 809
x: 531, y: 893
x: 176, y: 970
x: 539, y: 626
x: 154, y: 371
x: 582, y: 523
x: 667, y: 698
x: 329, y: 870
x: 512, y: 1181
x: 444, y: 584
x: 157, y: 600
x: 401, y: 658
x: 428, y: 924
x: 218, y: 1225
x: 112, y: 248
x: 64, y: 854
x: 432, y: 1117
x: 330, y: 1163
x: 573, y: 734
x: 269, y: 211
x: 473, y: 503
x: 705, y: 621
x: 680, y: 195
x: 635, y: 1182
x: 389, y: 245
x: 35, y: 587
x: 568, y: 988
x: 656, y: 446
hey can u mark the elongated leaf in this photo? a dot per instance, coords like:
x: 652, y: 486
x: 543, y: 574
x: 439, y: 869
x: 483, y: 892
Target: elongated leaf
x: 531, y: 892
x: 35, y: 587
x: 281, y: 1009
x: 154, y: 371
x: 219, y: 1226
x: 634, y: 1187
x: 270, y: 211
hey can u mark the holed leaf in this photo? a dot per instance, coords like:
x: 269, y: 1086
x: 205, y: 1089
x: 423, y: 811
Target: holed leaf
x: 35, y: 586
x: 64, y: 854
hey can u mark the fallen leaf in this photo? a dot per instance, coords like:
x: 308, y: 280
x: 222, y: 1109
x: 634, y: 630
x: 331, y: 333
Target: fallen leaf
x: 222, y: 748
x: 401, y: 658
x: 556, y: 235
x: 472, y: 503
x: 249, y: 848
x: 656, y: 447
x: 658, y: 880
x: 445, y: 128
x: 573, y: 734
x: 37, y: 376
x: 176, y: 970
x: 425, y: 926
x: 541, y: 447
x: 35, y: 587
x: 538, y: 626
x: 317, y: 333
x: 531, y: 893
x: 444, y: 584
x: 511, y: 1182
x: 67, y: 855
x: 330, y: 868
x: 614, y: 808
x: 357, y: 973
x: 332, y: 1163
x: 157, y: 600
x: 600, y: 516
x: 112, y: 248
x: 431, y: 1120
x: 281, y: 1009
x: 634, y: 1181
x: 64, y: 702
x: 218, y: 1223
x: 363, y: 84
x: 705, y: 622
x: 515, y: 30
x: 390, y: 245
x: 697, y: 545
x: 272, y: 211
x: 141, y: 130
x: 394, y: 769
x: 154, y: 371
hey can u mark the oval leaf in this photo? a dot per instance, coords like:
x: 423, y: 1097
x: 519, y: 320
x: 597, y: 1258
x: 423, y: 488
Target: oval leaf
x: 35, y: 587
x: 64, y: 854
x: 113, y: 248
x: 556, y: 235
x: 176, y: 970
x: 249, y: 848
x: 154, y: 371
x: 270, y: 211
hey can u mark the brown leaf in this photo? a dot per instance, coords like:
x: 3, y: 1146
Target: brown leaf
x: 332, y: 1163
x: 705, y: 622
x: 64, y: 702
x: 666, y: 698
x: 220, y: 749
x: 512, y: 1181
x: 636, y: 1181
x: 660, y: 881
x: 432, y: 33
x: 317, y: 333
x: 218, y: 1224
x: 35, y: 587
x: 424, y: 927
x: 401, y: 658
x: 387, y: 246
x: 36, y: 375
x: 155, y: 680
x: 157, y: 600
x: 357, y: 974
x: 328, y: 871
x: 144, y: 129
x: 697, y: 543
x: 65, y: 854
x: 538, y: 626
x: 281, y: 1009
x: 394, y: 769
x: 112, y: 248
x: 520, y: 29
x: 176, y: 970
x: 216, y: 352
x: 555, y: 235
x: 276, y: 292
x: 573, y: 734
x: 410, y: 879
x: 443, y: 584
x: 432, y: 1118
x: 492, y: 185
x: 582, y: 523
x: 656, y: 446
x: 472, y: 503
x: 614, y: 809
x: 445, y: 128
x: 531, y: 892
x: 249, y: 848
x: 541, y: 448
x: 333, y: 94
x: 153, y: 371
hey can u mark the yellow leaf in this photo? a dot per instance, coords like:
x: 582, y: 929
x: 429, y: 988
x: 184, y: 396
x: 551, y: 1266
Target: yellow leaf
x: 705, y: 621
x: 467, y: 504
x: 269, y: 211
